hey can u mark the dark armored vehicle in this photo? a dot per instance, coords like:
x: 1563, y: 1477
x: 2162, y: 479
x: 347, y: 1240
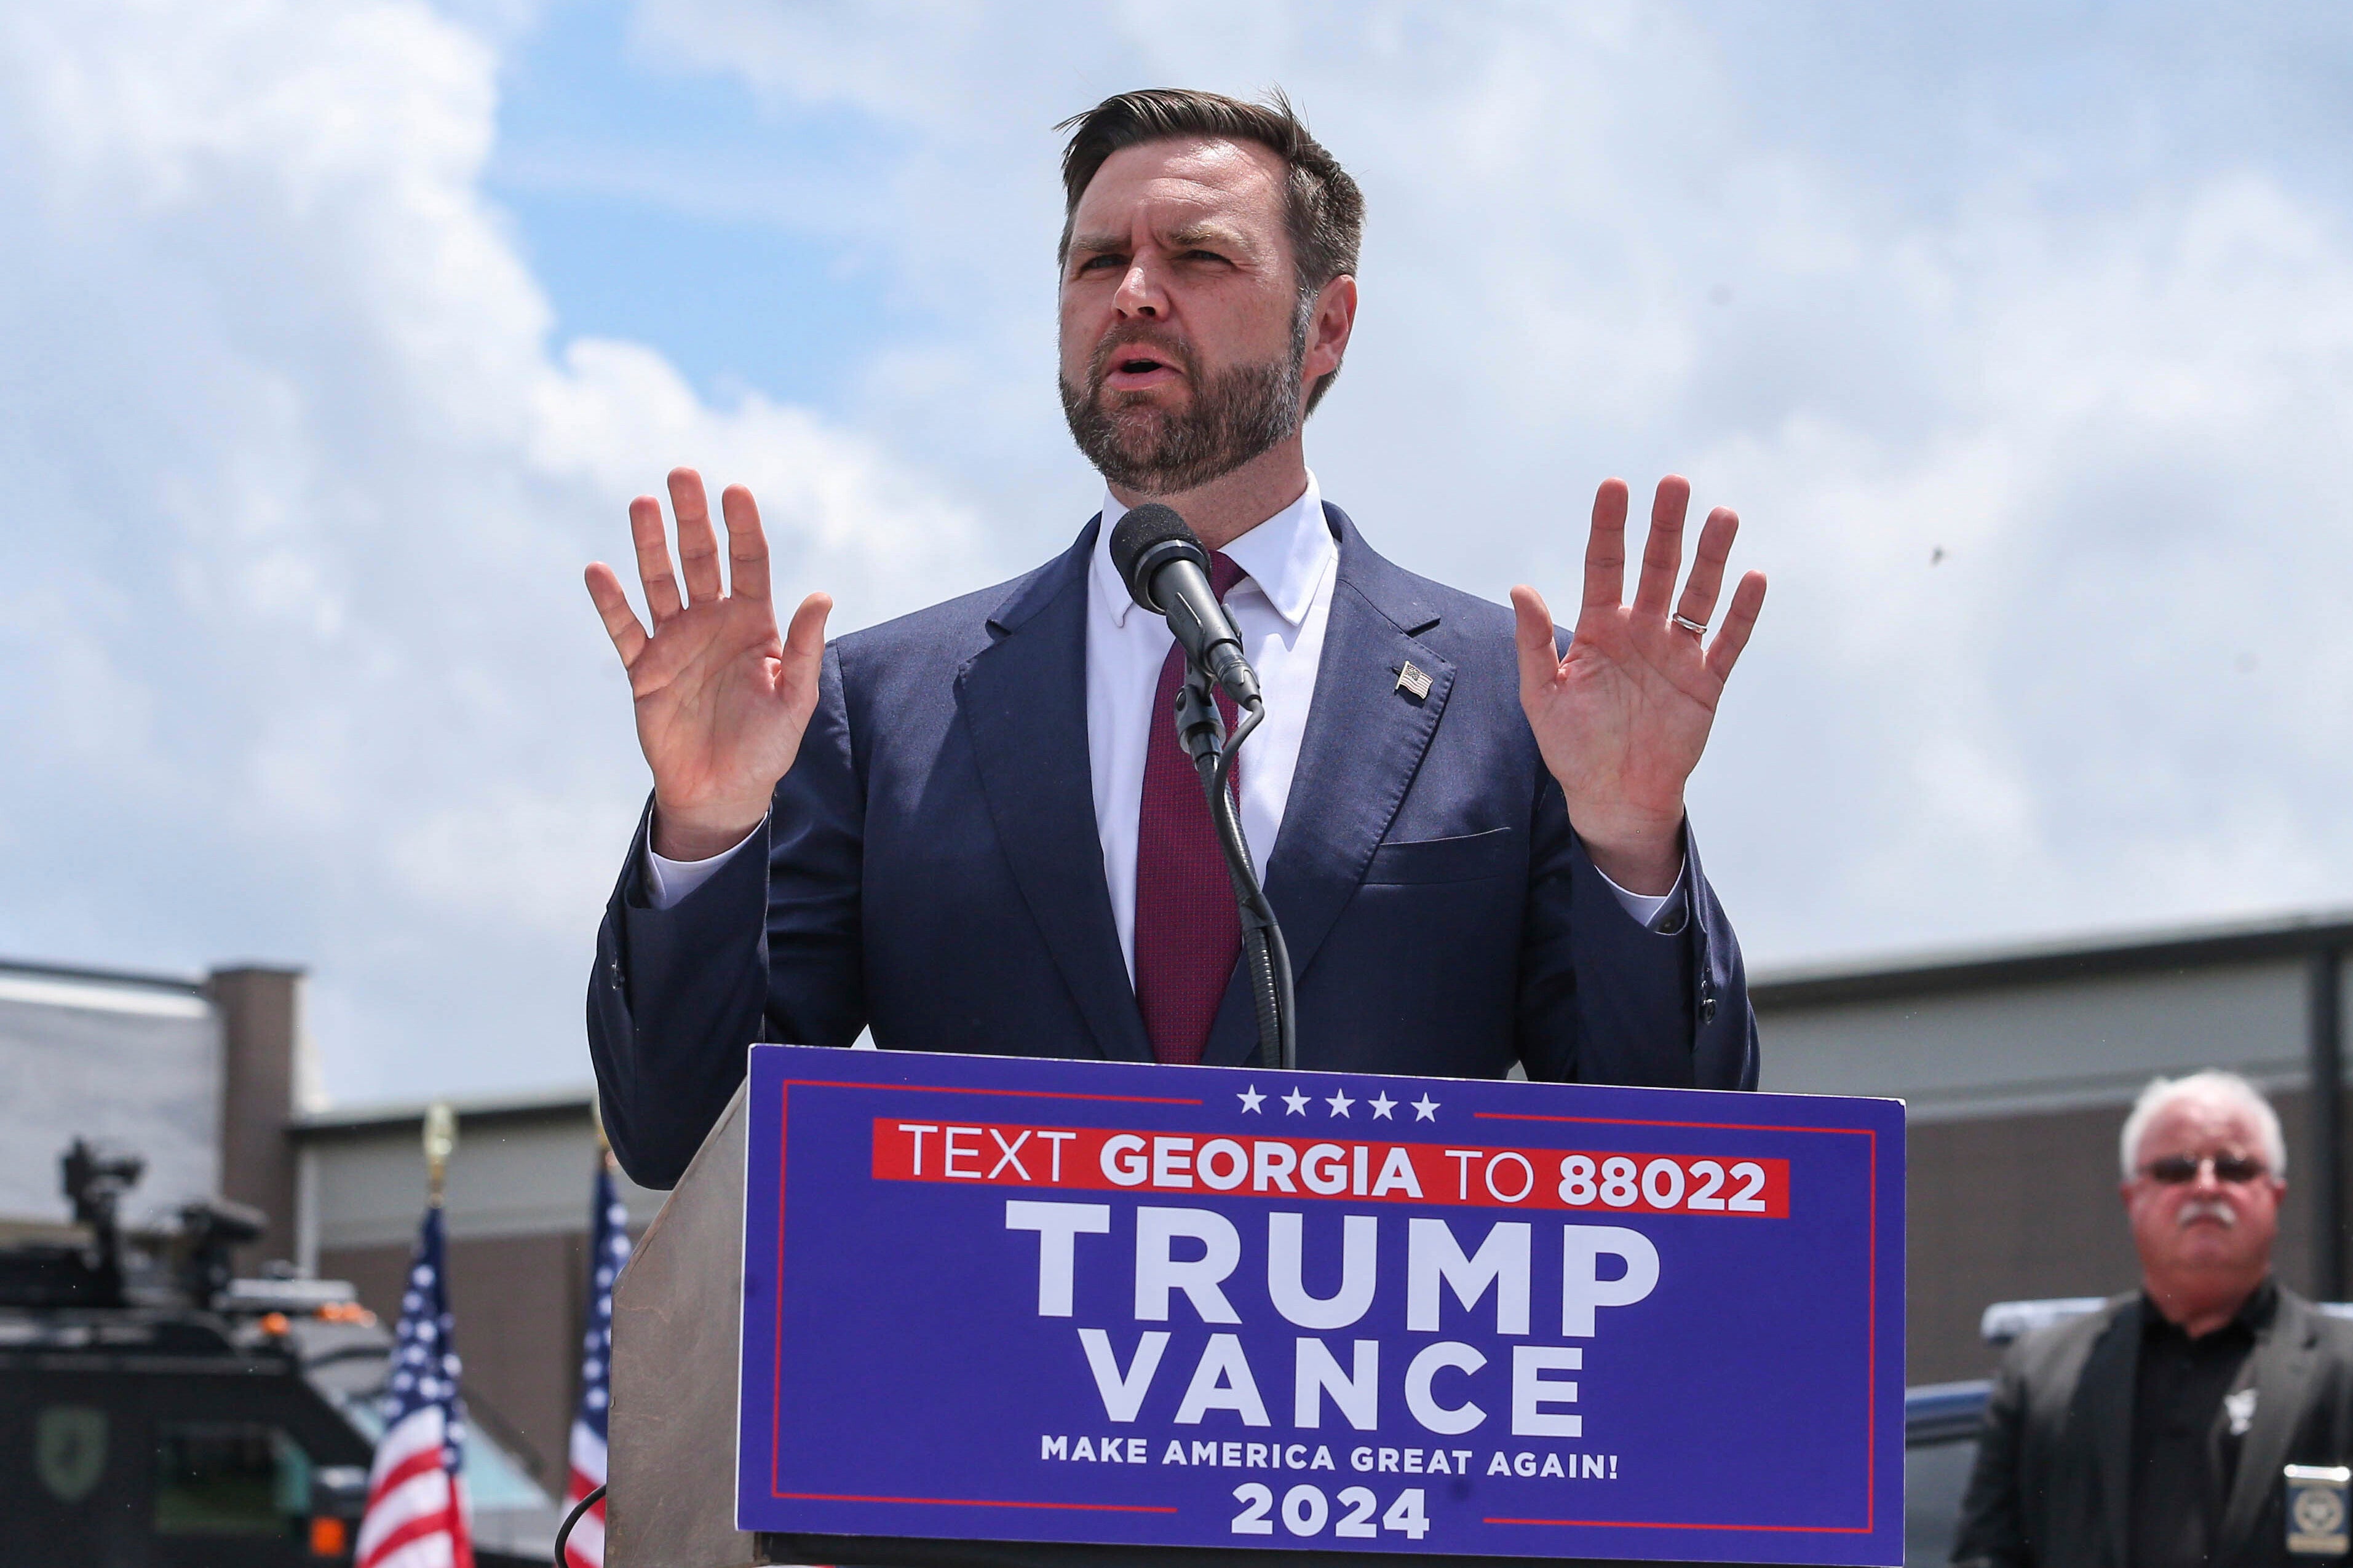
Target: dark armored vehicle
x: 157, y: 1413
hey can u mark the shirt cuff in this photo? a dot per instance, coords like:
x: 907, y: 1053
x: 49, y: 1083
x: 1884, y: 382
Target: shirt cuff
x: 1663, y: 913
x: 669, y: 882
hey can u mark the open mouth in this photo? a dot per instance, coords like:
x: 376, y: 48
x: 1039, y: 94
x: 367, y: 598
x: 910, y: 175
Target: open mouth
x: 1136, y: 370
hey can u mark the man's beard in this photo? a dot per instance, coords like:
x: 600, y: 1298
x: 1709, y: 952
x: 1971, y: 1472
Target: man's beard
x: 1234, y: 416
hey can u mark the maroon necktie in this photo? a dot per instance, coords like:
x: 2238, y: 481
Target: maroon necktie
x: 1188, y: 931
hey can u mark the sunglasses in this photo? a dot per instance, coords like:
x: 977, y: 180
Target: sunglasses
x: 2176, y: 1169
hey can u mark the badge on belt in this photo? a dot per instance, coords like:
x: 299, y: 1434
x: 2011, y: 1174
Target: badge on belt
x: 2317, y: 1509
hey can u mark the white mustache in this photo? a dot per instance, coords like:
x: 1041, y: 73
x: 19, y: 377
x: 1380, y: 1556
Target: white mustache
x: 2219, y: 1209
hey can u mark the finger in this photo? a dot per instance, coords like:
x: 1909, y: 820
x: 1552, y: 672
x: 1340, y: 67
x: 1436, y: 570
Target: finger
x: 697, y: 546
x: 747, y: 546
x: 796, y: 684
x: 805, y: 638
x: 1662, y: 552
x: 1605, y: 548
x: 613, y: 608
x: 1738, y: 622
x: 1532, y: 630
x: 653, y: 559
x: 1706, y: 578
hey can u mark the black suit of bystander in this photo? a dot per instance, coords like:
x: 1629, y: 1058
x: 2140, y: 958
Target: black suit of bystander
x: 2054, y: 1484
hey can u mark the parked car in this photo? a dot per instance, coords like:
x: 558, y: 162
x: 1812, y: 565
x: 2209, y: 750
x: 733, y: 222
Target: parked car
x: 1940, y: 1445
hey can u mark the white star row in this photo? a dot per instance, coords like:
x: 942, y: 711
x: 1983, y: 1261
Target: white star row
x: 1424, y: 1110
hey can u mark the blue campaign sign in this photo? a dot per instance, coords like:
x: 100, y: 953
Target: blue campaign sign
x: 991, y: 1298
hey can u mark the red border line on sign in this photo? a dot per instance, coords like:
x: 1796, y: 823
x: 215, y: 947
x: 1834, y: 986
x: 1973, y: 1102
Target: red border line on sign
x: 1871, y: 1376
x: 777, y: 1363
x: 1009, y: 1093
x: 1644, y: 1524
x: 982, y: 1502
x: 1871, y: 1351
x: 1634, y: 1122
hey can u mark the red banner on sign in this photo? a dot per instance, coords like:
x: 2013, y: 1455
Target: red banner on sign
x: 1099, y: 1159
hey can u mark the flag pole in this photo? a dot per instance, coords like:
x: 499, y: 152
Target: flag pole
x: 424, y: 1415
x: 440, y: 1142
x: 580, y: 1543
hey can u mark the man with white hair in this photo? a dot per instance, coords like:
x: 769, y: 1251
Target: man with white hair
x: 2156, y: 1433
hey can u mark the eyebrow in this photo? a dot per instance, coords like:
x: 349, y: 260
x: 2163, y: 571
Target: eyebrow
x: 1212, y: 232
x: 1191, y: 235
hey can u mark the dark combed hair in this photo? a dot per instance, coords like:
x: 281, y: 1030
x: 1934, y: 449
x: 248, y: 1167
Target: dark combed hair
x: 1324, y: 211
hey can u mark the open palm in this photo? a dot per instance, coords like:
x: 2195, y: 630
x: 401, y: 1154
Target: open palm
x: 721, y: 700
x: 1623, y: 717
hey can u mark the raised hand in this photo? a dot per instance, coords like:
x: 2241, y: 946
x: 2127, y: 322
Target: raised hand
x: 722, y: 701
x: 1621, y: 720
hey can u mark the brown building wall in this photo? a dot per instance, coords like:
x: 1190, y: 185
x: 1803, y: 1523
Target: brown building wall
x: 2026, y: 1205
x: 521, y: 1304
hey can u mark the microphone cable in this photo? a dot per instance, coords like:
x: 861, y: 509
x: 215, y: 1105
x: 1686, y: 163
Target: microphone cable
x: 1200, y: 728
x: 579, y: 1512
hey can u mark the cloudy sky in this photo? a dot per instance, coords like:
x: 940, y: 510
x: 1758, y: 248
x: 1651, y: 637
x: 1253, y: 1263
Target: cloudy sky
x: 335, y: 336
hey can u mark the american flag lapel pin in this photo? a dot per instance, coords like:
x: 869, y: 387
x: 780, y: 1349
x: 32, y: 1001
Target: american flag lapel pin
x: 1413, y: 682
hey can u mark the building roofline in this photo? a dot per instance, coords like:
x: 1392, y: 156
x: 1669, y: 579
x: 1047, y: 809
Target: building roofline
x: 2095, y: 957
x: 151, y: 979
x: 523, y: 1105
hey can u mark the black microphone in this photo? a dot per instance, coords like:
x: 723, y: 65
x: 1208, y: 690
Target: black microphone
x: 1161, y: 560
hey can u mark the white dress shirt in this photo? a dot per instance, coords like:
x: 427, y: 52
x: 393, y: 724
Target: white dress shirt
x: 1281, y: 606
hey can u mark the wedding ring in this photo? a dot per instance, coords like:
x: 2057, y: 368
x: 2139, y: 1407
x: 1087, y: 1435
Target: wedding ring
x: 1697, y: 628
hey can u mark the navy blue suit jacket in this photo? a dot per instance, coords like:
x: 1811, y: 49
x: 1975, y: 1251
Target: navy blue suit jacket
x: 931, y: 872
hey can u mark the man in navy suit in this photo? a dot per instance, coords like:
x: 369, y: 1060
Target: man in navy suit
x: 970, y: 830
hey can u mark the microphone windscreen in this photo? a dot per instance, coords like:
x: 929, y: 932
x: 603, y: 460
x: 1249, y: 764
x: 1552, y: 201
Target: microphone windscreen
x: 1146, y: 537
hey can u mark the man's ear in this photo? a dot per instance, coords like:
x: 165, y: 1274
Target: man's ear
x: 1328, y: 329
x: 1335, y: 320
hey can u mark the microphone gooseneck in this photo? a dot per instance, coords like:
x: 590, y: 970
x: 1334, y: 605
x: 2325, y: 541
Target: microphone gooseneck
x: 1161, y: 560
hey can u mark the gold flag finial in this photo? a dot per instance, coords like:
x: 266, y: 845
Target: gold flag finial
x: 440, y: 1142
x: 596, y: 1120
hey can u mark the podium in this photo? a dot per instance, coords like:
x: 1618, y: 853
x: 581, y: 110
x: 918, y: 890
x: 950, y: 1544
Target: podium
x: 914, y: 1310
x: 678, y: 1312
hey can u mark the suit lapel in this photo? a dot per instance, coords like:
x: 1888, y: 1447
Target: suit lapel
x: 1024, y: 702
x: 2107, y: 1395
x: 2284, y: 1357
x: 1365, y: 741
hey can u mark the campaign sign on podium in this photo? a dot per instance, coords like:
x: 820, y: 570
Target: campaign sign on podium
x: 992, y: 1298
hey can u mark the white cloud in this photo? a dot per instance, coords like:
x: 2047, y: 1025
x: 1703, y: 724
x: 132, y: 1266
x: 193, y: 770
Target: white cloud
x: 299, y: 660
x: 2124, y: 666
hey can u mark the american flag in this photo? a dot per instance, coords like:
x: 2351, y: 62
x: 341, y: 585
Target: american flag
x: 608, y: 1248
x: 417, y: 1515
